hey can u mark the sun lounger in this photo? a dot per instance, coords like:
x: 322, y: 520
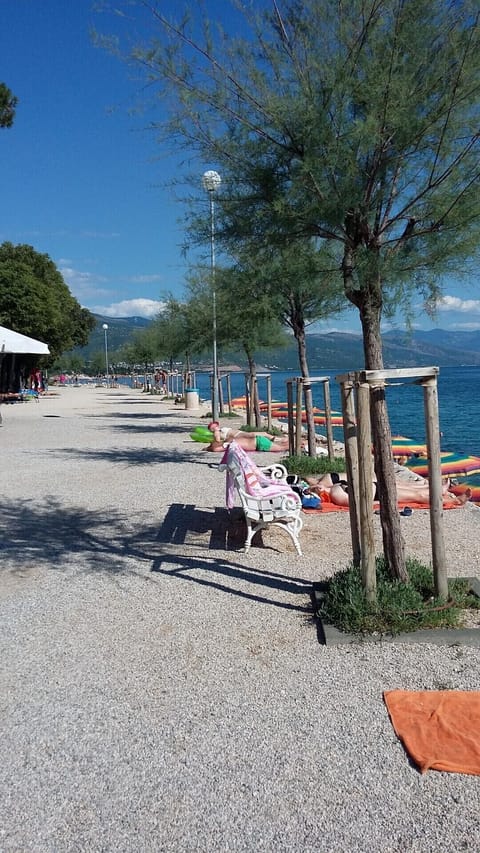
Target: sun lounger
x: 266, y: 498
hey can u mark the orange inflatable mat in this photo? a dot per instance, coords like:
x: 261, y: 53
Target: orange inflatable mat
x: 440, y: 729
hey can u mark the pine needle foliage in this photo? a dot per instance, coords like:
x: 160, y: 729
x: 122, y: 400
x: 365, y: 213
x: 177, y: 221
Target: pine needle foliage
x: 306, y: 466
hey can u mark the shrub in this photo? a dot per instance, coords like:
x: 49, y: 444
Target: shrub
x: 399, y: 606
x: 306, y: 466
x: 273, y: 431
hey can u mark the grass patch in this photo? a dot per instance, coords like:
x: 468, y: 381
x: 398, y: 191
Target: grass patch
x: 306, y: 466
x: 273, y: 431
x: 400, y: 607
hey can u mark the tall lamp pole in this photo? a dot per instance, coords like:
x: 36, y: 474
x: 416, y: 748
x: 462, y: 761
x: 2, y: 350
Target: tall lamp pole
x: 105, y: 329
x: 211, y: 182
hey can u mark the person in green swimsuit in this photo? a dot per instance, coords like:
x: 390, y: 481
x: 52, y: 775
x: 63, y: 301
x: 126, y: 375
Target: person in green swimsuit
x: 262, y: 442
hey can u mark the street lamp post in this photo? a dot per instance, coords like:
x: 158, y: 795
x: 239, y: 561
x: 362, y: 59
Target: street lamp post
x: 211, y: 182
x: 107, y: 376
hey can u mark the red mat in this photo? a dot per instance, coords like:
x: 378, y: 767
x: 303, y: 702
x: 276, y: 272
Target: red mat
x: 329, y: 507
x: 440, y: 729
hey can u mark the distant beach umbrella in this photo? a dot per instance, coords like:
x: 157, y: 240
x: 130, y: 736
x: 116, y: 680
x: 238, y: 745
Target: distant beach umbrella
x: 402, y: 446
x: 451, y: 465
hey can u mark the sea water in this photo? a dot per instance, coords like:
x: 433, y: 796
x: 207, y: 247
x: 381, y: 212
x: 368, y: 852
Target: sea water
x: 458, y: 400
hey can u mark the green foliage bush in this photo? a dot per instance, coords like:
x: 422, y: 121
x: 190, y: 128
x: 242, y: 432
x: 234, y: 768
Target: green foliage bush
x: 306, y: 466
x: 400, y: 607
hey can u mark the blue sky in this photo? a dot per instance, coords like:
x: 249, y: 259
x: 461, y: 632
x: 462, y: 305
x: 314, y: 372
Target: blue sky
x: 85, y: 183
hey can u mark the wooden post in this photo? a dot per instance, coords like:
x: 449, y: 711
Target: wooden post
x: 298, y: 418
x: 247, y: 398
x: 291, y: 442
x: 221, y: 407
x: 365, y: 465
x: 253, y: 399
x: 351, y: 459
x: 229, y: 394
x: 269, y: 402
x: 328, y: 418
x: 432, y: 426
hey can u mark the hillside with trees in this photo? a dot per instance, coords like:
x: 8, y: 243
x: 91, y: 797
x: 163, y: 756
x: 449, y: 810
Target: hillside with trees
x: 36, y: 301
x: 326, y: 351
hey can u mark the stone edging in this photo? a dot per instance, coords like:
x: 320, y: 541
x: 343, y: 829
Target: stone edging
x: 328, y: 635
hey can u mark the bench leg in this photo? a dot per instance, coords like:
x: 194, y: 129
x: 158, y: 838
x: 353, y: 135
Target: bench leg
x: 295, y: 541
x: 250, y: 534
x: 293, y: 529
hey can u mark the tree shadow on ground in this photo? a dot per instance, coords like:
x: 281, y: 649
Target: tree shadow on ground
x: 126, y: 398
x: 159, y: 428
x: 58, y: 538
x: 166, y: 403
x: 141, y: 416
x: 128, y: 456
x: 131, y: 426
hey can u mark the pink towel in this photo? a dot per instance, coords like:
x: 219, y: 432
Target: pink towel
x: 257, y: 483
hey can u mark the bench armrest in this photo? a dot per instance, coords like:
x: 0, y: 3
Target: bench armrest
x: 276, y: 471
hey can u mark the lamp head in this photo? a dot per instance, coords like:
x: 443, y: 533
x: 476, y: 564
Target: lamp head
x: 211, y: 181
x: 105, y: 326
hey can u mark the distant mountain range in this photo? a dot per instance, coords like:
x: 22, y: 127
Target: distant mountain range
x: 120, y: 330
x: 329, y: 351
x: 340, y: 350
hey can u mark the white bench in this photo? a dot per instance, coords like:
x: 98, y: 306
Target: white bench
x: 266, y: 498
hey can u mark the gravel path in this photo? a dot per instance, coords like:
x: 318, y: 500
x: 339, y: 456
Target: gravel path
x: 163, y: 691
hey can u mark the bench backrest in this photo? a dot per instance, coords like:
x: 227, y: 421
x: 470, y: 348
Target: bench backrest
x: 249, y: 479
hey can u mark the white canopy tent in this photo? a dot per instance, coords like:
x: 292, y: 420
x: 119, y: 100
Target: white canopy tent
x: 15, y: 343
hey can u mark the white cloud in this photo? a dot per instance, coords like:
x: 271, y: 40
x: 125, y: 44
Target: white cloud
x: 130, y: 308
x: 87, y: 286
x: 454, y: 303
x: 83, y: 285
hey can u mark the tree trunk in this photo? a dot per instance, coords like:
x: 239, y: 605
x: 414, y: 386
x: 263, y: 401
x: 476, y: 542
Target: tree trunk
x: 370, y: 304
x: 368, y: 300
x: 254, y: 413
x: 299, y: 332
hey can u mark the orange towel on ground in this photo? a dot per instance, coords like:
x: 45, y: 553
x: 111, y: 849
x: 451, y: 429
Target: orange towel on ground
x: 440, y: 729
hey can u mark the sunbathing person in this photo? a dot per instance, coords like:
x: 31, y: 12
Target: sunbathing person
x: 335, y: 490
x: 250, y: 441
